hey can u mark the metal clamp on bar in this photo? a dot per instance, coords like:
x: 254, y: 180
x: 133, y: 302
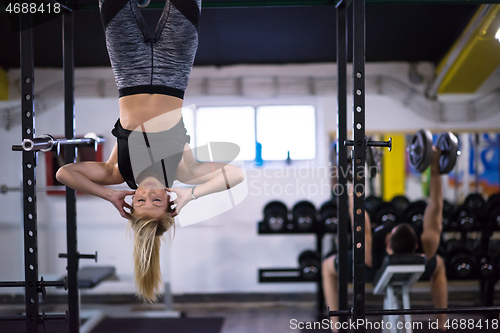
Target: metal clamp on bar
x: 371, y: 143
x: 81, y: 256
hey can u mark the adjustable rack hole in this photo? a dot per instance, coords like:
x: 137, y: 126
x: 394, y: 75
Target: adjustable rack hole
x: 28, y: 131
x: 30, y: 233
x: 359, y: 245
x: 358, y: 211
x: 30, y: 217
x: 359, y: 228
x: 359, y: 92
x: 31, y: 250
x: 359, y: 297
x: 29, y: 182
x: 358, y: 108
x: 359, y: 75
x: 29, y: 165
x: 27, y: 80
x: 30, y: 199
x: 27, y: 97
x: 31, y: 267
x: 32, y: 301
x: 358, y: 126
x: 28, y: 114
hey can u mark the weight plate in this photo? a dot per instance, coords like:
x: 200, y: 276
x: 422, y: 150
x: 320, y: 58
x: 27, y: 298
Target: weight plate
x: 448, y: 143
x: 420, y: 150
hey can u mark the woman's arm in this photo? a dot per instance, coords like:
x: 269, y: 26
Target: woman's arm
x: 211, y: 176
x: 89, y: 177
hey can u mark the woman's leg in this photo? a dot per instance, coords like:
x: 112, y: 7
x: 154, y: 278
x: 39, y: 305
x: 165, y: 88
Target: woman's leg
x: 176, y: 43
x: 129, y: 51
x: 330, y: 283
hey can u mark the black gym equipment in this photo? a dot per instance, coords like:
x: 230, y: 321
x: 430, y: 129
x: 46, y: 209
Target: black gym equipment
x: 304, y: 216
x: 448, y: 211
x: 309, y: 265
x: 461, y: 261
x: 400, y: 202
x: 328, y: 214
x: 447, y: 142
x: 414, y: 215
x: 276, y: 217
x: 465, y: 218
x: 492, y: 211
x: 420, y: 151
x: 385, y: 214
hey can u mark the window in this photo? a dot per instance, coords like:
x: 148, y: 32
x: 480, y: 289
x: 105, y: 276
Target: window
x: 227, y: 124
x: 287, y: 128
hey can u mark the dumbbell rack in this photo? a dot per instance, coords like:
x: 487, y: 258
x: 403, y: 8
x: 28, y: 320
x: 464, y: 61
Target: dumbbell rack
x: 288, y: 275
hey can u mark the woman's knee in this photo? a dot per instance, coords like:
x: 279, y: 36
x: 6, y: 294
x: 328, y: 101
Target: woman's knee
x: 440, y: 267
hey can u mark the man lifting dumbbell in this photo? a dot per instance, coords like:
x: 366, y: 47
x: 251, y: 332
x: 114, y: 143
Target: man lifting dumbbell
x: 400, y: 239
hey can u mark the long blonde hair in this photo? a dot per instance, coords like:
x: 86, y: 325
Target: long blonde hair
x: 148, y: 233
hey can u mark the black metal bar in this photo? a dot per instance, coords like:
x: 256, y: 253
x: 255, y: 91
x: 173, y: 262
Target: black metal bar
x: 370, y: 143
x: 358, y: 162
x: 29, y: 175
x: 22, y: 284
x: 320, y: 297
x: 51, y: 316
x: 70, y: 153
x: 389, y: 312
x: 341, y: 191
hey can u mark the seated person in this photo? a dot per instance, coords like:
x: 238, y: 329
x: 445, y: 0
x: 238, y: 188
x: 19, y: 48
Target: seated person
x: 400, y: 239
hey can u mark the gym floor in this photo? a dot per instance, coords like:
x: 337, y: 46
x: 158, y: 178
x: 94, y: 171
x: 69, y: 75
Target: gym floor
x: 253, y: 316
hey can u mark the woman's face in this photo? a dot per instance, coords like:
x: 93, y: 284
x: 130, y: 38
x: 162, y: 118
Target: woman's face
x: 151, y: 198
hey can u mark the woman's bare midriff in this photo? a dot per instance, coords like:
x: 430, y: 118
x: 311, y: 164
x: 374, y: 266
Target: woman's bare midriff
x: 137, y: 110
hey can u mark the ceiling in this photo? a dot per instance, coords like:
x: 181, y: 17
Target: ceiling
x: 269, y: 35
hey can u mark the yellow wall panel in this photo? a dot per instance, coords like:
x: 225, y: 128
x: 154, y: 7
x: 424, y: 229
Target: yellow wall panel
x: 393, y: 167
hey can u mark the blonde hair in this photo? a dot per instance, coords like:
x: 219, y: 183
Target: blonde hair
x: 148, y: 232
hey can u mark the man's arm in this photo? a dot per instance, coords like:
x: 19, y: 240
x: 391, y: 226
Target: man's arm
x: 433, y: 215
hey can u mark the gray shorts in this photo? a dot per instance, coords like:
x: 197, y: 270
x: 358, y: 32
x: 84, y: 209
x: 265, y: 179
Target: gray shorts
x: 160, y: 65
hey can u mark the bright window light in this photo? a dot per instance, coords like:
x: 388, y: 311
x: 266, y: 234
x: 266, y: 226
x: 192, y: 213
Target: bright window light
x: 287, y: 128
x: 227, y: 124
x: 497, y: 35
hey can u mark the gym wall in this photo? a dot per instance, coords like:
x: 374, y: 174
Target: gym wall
x: 222, y: 254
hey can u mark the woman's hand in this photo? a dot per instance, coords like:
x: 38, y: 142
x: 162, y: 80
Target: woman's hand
x: 183, y: 197
x: 117, y: 199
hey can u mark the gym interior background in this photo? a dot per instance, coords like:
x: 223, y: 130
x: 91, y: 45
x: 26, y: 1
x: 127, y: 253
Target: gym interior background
x: 250, y: 59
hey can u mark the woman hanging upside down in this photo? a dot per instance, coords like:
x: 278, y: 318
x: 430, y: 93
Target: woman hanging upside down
x: 152, y: 143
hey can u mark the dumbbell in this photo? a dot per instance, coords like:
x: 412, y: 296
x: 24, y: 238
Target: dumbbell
x: 492, y: 210
x: 371, y: 204
x: 309, y: 265
x: 485, y: 266
x: 304, y: 216
x: 465, y: 218
x: 462, y: 264
x: 448, y: 210
x: 328, y: 213
x: 276, y: 216
x: 385, y: 214
x: 420, y: 151
x: 414, y: 214
x: 400, y: 202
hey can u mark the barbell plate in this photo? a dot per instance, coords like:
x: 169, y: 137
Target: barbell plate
x: 448, y: 143
x: 420, y: 150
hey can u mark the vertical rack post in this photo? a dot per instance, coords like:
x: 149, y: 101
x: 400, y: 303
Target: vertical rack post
x: 358, y: 162
x: 69, y: 131
x: 320, y: 298
x: 29, y: 174
x: 341, y: 191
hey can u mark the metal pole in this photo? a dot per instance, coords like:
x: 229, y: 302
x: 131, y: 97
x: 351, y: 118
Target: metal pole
x: 29, y: 176
x: 69, y: 130
x: 320, y: 297
x: 342, y: 196
x: 358, y: 162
